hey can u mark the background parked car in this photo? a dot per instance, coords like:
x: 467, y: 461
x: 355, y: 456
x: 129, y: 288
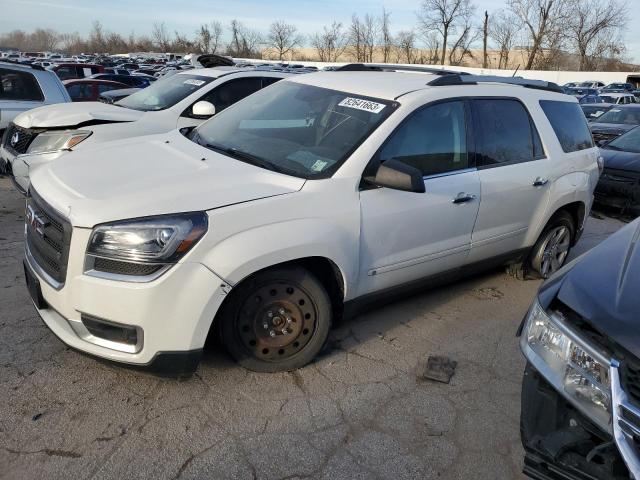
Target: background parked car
x: 23, y: 87
x: 134, y: 81
x: 619, y: 87
x: 89, y: 90
x: 619, y: 184
x: 615, y: 122
x: 591, y: 84
x: 593, y: 111
x: 591, y: 99
x: 580, y: 92
x: 116, y: 71
x: 67, y: 71
x: 619, y: 98
x: 113, y: 96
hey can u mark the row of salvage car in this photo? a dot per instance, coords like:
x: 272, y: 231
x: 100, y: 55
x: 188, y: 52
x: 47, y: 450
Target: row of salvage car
x: 317, y: 195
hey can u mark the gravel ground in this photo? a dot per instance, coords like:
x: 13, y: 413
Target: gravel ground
x: 358, y: 412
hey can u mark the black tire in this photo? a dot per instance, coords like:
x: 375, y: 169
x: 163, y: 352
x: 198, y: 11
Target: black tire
x: 276, y: 320
x: 544, y: 259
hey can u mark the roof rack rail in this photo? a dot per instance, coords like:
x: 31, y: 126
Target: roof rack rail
x: 448, y: 80
x: 26, y: 65
x: 387, y: 67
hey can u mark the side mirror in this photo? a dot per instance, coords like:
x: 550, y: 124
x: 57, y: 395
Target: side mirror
x: 602, y: 143
x: 203, y: 109
x: 399, y: 176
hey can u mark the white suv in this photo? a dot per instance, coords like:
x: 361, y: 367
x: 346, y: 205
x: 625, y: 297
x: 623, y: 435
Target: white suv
x: 180, y: 101
x: 301, y: 204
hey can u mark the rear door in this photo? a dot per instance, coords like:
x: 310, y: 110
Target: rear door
x: 406, y: 236
x: 513, y: 170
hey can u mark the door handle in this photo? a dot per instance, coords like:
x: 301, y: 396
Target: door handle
x: 540, y: 182
x: 463, y: 198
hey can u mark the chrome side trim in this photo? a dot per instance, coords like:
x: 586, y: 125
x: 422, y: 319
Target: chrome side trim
x: 448, y: 174
x: 38, y: 269
x: 622, y: 428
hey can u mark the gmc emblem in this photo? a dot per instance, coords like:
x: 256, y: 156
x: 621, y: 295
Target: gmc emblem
x: 36, y: 222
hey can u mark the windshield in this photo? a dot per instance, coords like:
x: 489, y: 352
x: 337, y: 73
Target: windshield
x: 629, y: 142
x: 628, y: 116
x: 296, y: 129
x: 164, y: 93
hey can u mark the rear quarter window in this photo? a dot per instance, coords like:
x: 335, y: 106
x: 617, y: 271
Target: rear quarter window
x: 569, y: 124
x: 16, y: 85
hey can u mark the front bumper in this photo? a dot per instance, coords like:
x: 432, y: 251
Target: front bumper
x: 172, y: 314
x: 21, y: 166
x: 619, y: 189
x: 560, y: 442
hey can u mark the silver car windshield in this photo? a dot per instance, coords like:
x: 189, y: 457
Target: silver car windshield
x: 164, y: 93
x: 629, y: 116
x: 301, y: 130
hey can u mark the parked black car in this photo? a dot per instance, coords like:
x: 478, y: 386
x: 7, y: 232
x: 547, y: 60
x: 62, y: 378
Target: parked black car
x: 115, y: 95
x: 580, y: 411
x: 615, y: 122
x: 619, y: 184
x: 622, y: 87
x: 593, y: 111
x: 134, y: 81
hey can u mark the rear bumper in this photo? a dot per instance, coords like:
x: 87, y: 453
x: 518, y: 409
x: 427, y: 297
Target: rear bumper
x: 619, y: 189
x: 561, y: 443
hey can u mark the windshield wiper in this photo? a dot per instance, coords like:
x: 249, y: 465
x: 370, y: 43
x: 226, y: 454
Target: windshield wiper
x: 243, y: 156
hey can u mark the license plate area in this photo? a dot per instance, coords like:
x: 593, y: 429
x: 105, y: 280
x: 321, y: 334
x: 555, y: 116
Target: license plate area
x: 33, y: 286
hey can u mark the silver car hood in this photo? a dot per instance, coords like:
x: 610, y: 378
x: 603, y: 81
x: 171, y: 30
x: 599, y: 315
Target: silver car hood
x: 73, y: 114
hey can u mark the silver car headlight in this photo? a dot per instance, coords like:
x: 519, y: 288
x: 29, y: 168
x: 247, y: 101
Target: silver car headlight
x: 57, y: 140
x: 578, y: 370
x: 141, y: 247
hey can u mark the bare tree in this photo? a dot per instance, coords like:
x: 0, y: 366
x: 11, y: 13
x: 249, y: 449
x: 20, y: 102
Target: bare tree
x: 244, y: 41
x: 543, y: 20
x: 208, y: 37
x: 362, y: 37
x: 161, y: 37
x: 461, y: 47
x: 503, y: 30
x: 592, y: 23
x: 431, y: 54
x: 97, y: 37
x: 386, y: 38
x: 284, y: 38
x: 330, y: 44
x: 443, y: 16
x: 405, y: 45
x: 485, y: 37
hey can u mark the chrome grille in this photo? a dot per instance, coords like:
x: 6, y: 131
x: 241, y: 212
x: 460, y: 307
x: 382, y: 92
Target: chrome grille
x: 626, y: 420
x: 48, y: 237
x: 24, y: 135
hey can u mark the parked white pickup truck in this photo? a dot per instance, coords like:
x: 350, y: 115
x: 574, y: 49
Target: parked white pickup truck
x: 183, y: 100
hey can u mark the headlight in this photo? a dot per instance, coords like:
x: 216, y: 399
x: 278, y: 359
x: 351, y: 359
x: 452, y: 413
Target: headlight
x: 56, y: 140
x: 575, y: 368
x: 161, y: 240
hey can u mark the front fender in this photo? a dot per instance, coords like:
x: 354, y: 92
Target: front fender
x: 247, y: 252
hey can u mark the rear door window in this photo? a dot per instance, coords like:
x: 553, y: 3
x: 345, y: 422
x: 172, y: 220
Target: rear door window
x: 433, y: 139
x: 505, y: 132
x: 80, y: 92
x: 569, y: 124
x: 232, y: 91
x: 18, y: 85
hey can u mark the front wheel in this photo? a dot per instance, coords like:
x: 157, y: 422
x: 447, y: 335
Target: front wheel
x: 276, y: 320
x: 552, y: 248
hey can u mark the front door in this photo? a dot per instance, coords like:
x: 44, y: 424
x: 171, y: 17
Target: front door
x: 407, y: 236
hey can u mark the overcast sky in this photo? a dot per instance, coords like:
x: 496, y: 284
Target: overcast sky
x: 125, y: 16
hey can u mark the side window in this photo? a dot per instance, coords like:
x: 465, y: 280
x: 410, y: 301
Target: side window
x: 80, y: 92
x: 505, y: 132
x: 16, y: 85
x: 106, y: 88
x: 569, y: 124
x: 266, y: 81
x: 433, y: 139
x: 66, y: 73
x: 232, y: 91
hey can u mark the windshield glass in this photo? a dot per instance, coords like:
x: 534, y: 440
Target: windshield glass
x: 296, y: 129
x: 629, y: 116
x: 164, y: 93
x: 629, y: 142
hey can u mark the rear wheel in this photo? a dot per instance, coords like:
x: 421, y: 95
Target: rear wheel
x: 276, y: 320
x: 552, y: 248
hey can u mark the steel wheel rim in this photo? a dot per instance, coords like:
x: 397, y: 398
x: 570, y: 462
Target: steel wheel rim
x: 555, y: 250
x: 276, y: 321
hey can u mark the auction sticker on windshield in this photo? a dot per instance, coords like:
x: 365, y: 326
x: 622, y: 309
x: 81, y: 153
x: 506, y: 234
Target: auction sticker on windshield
x: 360, y: 104
x: 191, y: 81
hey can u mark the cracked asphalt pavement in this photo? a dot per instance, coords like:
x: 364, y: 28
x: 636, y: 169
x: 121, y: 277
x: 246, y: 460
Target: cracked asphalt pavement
x: 358, y: 412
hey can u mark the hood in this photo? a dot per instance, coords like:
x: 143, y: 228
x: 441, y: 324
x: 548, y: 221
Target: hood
x: 602, y: 287
x: 153, y: 175
x: 621, y: 160
x: 617, y: 128
x: 75, y: 114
